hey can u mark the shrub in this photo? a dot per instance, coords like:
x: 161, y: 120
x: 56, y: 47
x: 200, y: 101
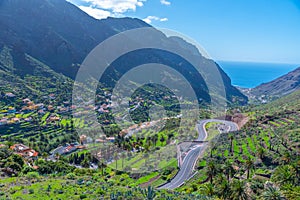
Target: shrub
x: 71, y: 176
x: 32, y: 175
x: 31, y: 191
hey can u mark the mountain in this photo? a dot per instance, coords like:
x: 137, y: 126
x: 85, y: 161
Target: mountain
x: 60, y: 35
x: 55, y: 32
x: 281, y: 86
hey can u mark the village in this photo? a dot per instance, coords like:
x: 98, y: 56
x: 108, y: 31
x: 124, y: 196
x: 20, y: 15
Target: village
x: 54, y: 116
x: 28, y: 111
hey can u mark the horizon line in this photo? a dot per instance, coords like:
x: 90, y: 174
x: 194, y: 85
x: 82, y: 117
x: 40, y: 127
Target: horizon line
x: 254, y: 61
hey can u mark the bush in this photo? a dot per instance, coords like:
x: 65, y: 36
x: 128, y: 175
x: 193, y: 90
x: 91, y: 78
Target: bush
x: 31, y: 191
x: 32, y: 175
x: 71, y: 176
x: 27, y: 169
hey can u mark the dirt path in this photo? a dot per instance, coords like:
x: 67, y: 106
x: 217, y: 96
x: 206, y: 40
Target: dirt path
x: 150, y: 181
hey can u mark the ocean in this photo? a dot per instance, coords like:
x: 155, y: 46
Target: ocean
x: 249, y: 75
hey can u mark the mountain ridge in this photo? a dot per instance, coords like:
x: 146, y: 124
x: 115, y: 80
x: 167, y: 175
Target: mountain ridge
x: 54, y: 32
x: 279, y: 87
x: 60, y: 35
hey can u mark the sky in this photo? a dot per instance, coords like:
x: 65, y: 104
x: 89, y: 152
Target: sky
x: 229, y: 30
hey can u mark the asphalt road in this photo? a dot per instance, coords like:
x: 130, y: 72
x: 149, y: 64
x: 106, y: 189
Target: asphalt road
x: 187, y: 167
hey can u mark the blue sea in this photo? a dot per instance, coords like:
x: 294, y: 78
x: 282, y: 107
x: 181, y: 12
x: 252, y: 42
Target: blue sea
x: 249, y: 75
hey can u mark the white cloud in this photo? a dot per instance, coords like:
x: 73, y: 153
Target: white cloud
x: 163, y: 19
x: 95, y: 12
x: 165, y: 2
x: 116, y: 6
x: 149, y: 19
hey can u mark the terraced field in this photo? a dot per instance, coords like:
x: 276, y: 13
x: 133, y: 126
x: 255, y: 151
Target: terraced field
x: 269, y: 141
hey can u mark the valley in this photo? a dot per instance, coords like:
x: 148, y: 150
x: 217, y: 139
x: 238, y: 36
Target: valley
x: 227, y: 143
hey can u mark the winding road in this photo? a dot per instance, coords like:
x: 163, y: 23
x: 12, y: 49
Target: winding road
x: 187, y: 167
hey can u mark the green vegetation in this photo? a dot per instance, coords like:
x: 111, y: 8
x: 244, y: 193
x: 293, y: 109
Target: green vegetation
x: 260, y: 161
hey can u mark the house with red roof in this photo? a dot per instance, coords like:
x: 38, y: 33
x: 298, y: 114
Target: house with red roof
x: 24, y: 151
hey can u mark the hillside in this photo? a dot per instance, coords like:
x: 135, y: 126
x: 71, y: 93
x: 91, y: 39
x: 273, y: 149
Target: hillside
x: 60, y: 35
x: 38, y: 28
x: 281, y: 86
x: 263, y: 154
x: 261, y: 159
x: 50, y: 149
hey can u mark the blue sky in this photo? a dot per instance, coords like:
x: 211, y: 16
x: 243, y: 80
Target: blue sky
x: 235, y: 30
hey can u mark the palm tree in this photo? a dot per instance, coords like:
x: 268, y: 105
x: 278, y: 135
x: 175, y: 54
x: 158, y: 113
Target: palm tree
x: 85, y: 163
x: 211, y: 170
x: 224, y: 190
x: 154, y: 139
x: 285, y: 174
x: 123, y: 155
x: 228, y: 170
x: 238, y: 190
x: 249, y: 164
x: 44, y: 155
x: 213, y: 148
x: 101, y: 165
x: 220, y: 178
x: 231, y: 143
x: 286, y: 158
x: 261, y: 152
x: 272, y: 193
x: 116, y: 159
x: 149, y: 141
x: 208, y: 189
x: 295, y: 167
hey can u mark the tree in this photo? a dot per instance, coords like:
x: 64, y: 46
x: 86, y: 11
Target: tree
x: 27, y: 169
x: 238, y: 190
x: 154, y: 139
x: 207, y: 189
x: 44, y: 155
x: 249, y: 164
x: 261, y: 152
x: 231, y: 143
x: 224, y: 190
x: 286, y: 158
x: 17, y: 158
x: 228, y: 170
x: 4, y: 153
x: 116, y: 159
x: 272, y: 193
x: 85, y: 163
x: 285, y: 174
x: 101, y: 165
x: 14, y: 166
x: 212, y: 149
x: 211, y: 170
